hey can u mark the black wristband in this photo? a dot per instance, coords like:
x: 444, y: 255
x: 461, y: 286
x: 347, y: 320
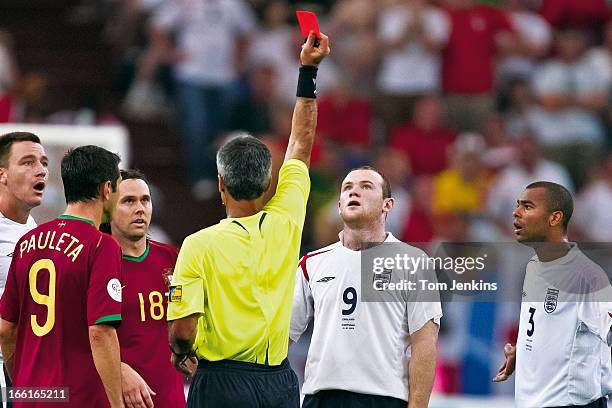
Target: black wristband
x: 307, y: 82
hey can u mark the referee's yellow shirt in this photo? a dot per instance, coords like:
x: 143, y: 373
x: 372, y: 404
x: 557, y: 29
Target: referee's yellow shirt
x: 239, y: 275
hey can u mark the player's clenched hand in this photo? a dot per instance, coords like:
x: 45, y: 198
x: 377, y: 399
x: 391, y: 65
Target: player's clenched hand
x: 312, y: 55
x: 186, y: 366
x: 507, y: 368
x: 136, y: 391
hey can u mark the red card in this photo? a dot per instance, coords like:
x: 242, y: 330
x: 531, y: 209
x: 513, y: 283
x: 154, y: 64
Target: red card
x: 308, y: 22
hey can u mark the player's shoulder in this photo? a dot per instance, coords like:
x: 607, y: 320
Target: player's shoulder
x: 163, y: 247
x: 310, y: 262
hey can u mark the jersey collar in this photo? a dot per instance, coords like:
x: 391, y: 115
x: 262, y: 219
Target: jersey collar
x: 71, y: 217
x: 138, y: 258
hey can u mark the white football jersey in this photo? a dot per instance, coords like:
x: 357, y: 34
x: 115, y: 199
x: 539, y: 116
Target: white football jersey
x: 356, y: 346
x: 564, y: 340
x: 10, y: 232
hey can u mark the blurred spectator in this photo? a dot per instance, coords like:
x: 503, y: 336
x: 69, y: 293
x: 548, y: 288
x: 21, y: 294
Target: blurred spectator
x: 210, y: 55
x: 254, y: 113
x: 353, y: 26
x: 344, y: 118
x: 8, y: 77
x: 478, y: 32
x: 528, y: 166
x: 592, y: 210
x: 462, y: 188
x: 411, y: 35
x: 582, y: 14
x: 274, y: 43
x: 418, y: 224
x: 425, y: 141
x: 536, y: 38
x: 571, y: 95
x: 600, y: 58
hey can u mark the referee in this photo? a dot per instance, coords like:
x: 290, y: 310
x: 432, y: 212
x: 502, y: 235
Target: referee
x: 232, y: 288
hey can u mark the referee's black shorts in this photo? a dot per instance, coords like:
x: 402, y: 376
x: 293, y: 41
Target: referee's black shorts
x: 238, y: 384
x: 347, y: 399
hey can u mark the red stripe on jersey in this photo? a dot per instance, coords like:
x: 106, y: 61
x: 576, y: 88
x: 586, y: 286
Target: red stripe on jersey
x: 303, y: 262
x: 610, y: 314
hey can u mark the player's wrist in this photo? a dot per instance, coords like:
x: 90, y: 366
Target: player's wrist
x: 307, y: 85
x: 181, y: 356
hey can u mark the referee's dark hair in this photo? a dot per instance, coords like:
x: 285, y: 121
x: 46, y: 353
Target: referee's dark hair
x: 559, y: 199
x: 386, y: 185
x: 245, y: 166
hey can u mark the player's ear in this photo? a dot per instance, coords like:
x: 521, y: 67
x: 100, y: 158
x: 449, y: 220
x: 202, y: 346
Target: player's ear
x: 106, y: 190
x: 388, y: 204
x: 3, y: 175
x: 555, y: 218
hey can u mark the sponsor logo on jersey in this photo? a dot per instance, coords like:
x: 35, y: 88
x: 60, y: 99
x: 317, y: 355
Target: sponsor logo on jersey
x: 113, y: 287
x: 326, y: 279
x: 175, y: 294
x: 383, y: 277
x: 550, y: 302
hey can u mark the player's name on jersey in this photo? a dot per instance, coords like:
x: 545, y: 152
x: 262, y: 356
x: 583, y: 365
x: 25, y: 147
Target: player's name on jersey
x: 51, y: 240
x: 426, y: 285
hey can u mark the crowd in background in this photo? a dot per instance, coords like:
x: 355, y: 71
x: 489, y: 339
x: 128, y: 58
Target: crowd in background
x: 460, y: 103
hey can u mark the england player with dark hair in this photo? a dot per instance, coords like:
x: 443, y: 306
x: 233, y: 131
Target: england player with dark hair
x: 562, y: 355
x: 62, y: 299
x: 23, y: 174
x: 366, y: 354
x: 230, y: 299
x: 147, y: 375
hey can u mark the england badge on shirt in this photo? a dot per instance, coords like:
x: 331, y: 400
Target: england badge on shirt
x: 550, y: 302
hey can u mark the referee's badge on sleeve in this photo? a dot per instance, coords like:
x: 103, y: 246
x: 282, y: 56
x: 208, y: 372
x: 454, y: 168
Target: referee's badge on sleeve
x: 175, y: 294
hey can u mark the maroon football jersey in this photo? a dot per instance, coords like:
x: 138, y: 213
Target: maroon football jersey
x: 64, y: 277
x: 143, y: 334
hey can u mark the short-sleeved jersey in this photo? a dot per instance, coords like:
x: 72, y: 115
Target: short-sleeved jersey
x: 64, y: 277
x: 143, y: 334
x: 563, y: 346
x: 10, y: 232
x: 356, y: 346
x: 239, y: 276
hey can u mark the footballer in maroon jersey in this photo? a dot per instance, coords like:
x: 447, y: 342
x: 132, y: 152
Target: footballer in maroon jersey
x: 62, y: 299
x: 147, y: 266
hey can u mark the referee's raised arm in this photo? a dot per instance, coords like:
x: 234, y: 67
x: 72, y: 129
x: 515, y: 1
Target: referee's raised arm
x: 304, y: 121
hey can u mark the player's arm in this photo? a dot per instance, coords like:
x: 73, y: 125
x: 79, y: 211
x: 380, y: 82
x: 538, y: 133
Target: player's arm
x: 303, y: 304
x: 506, y: 369
x: 8, y: 340
x: 422, y: 365
x: 105, y: 351
x: 182, y: 337
x: 304, y: 120
x: 136, y: 391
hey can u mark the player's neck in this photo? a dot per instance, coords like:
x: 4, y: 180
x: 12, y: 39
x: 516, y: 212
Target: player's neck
x: 89, y: 211
x: 14, y: 210
x: 552, y: 250
x: 356, y: 238
x: 132, y: 248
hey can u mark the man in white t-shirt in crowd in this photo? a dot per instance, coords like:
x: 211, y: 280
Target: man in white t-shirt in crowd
x: 367, y: 354
x: 210, y: 52
x: 23, y: 174
x: 562, y: 355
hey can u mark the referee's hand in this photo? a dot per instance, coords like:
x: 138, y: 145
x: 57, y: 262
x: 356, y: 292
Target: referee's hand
x: 312, y: 55
x: 506, y: 370
x: 186, y: 365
